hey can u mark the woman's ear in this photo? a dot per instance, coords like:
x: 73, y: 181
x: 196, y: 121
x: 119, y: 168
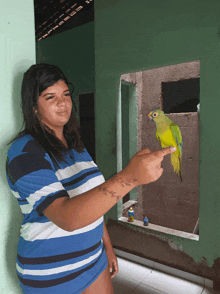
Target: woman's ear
x: 36, y: 113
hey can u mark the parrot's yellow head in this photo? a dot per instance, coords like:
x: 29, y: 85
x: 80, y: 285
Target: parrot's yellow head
x: 156, y: 115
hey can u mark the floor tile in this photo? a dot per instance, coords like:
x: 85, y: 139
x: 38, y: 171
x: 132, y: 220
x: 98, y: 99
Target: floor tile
x: 170, y: 284
x: 208, y: 283
x: 134, y: 258
x: 179, y: 273
x: 123, y: 284
x: 135, y: 271
x: 145, y: 289
x: 209, y: 291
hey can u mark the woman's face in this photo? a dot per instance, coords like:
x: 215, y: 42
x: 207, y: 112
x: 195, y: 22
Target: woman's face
x: 55, y: 106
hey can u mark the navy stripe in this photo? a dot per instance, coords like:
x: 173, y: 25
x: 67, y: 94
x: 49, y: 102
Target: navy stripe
x: 55, y: 282
x: 82, y: 177
x: 20, y: 201
x: 34, y: 146
x: 25, y: 164
x: 50, y: 199
x: 56, y: 258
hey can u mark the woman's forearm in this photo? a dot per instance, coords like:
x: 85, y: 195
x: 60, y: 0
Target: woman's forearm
x: 82, y: 210
x: 77, y: 212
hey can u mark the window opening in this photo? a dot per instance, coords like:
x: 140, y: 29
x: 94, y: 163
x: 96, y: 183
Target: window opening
x: 170, y: 205
x: 180, y: 96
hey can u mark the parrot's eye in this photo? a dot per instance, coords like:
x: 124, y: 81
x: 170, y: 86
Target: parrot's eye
x: 155, y: 114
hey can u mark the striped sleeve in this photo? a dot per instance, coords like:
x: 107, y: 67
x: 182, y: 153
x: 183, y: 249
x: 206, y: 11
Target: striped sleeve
x: 34, y: 179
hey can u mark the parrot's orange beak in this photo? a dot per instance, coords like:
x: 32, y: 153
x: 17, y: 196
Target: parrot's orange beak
x: 150, y: 118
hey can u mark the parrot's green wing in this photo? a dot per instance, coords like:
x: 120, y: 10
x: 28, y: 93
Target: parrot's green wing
x: 158, y: 138
x: 177, y: 135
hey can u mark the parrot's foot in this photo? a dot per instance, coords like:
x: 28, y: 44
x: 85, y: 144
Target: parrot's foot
x: 169, y: 148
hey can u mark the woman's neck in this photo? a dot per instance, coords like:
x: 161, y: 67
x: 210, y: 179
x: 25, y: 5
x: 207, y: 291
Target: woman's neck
x: 60, y: 135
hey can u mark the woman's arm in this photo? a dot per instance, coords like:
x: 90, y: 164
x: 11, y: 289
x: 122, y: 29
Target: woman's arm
x: 77, y: 212
x: 112, y: 259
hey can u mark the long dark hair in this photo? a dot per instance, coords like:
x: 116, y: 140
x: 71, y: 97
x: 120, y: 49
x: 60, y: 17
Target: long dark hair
x: 37, y: 79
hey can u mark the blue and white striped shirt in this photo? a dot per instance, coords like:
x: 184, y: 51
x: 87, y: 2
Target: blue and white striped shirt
x: 50, y: 259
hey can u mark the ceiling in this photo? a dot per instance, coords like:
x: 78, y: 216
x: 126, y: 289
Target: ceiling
x: 56, y: 16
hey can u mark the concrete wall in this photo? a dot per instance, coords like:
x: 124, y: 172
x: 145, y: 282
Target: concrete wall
x: 17, y: 53
x: 133, y: 36
x: 73, y: 52
x: 169, y: 202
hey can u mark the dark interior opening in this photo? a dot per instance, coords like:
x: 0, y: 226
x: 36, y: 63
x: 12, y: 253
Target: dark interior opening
x: 181, y: 96
x: 87, y: 122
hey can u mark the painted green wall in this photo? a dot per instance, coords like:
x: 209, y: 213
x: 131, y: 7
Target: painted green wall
x: 73, y: 52
x: 17, y: 53
x: 132, y: 36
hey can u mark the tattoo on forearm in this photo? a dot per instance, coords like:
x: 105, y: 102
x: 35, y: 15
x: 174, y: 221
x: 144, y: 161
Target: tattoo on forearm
x: 113, y: 194
x: 107, y: 192
x: 123, y: 182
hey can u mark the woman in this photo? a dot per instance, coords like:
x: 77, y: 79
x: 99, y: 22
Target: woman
x: 64, y: 246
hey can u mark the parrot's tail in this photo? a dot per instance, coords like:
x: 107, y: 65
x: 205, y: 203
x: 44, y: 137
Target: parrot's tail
x: 177, y: 164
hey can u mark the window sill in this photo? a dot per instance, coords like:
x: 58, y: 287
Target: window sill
x: 128, y: 204
x: 152, y: 227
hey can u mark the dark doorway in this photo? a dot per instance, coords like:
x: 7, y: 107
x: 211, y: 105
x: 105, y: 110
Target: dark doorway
x: 87, y: 122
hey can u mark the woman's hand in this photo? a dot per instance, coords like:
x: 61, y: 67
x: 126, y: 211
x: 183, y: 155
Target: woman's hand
x: 145, y: 166
x: 112, y: 261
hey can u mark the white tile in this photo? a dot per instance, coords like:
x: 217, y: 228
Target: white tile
x: 123, y: 284
x: 208, y: 291
x: 209, y: 283
x: 145, y: 289
x: 171, y: 284
x: 135, y: 258
x: 134, y: 271
x: 179, y: 273
x: 166, y: 269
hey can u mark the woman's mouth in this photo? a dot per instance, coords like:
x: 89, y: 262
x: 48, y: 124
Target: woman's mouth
x: 62, y: 112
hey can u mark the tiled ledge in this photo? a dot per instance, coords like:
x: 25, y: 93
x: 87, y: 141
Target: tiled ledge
x: 161, y: 229
x: 164, y: 268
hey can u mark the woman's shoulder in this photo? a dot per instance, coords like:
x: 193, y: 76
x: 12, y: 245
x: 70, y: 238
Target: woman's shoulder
x: 82, y: 156
x: 25, y: 144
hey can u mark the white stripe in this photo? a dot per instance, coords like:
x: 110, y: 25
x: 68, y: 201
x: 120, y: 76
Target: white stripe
x: 42, y: 231
x: 74, y: 169
x: 16, y: 194
x: 44, y: 191
x: 61, y: 269
x: 26, y: 208
x: 90, y: 184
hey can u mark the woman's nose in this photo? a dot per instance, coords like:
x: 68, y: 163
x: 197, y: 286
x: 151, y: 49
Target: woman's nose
x: 61, y: 100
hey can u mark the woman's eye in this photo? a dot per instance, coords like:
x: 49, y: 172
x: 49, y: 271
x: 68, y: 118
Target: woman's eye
x: 67, y: 94
x: 50, y: 97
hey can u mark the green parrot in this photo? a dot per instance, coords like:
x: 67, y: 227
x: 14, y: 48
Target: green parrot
x: 169, y: 134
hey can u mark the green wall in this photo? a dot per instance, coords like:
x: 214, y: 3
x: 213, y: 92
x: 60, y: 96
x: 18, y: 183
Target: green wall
x: 73, y: 52
x: 132, y: 36
x: 17, y: 53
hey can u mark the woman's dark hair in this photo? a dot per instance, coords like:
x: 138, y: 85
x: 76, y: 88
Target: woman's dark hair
x: 37, y: 79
